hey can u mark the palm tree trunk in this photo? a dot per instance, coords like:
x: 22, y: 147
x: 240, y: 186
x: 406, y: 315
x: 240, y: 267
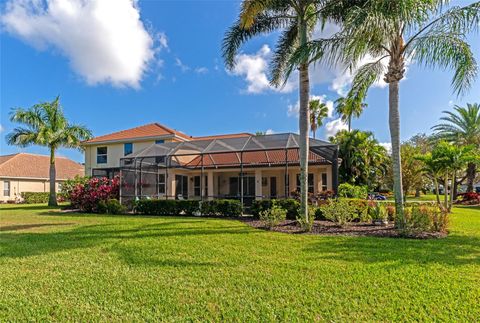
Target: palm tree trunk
x: 471, y: 172
x: 394, y: 123
x: 445, y: 191
x: 349, y: 123
x: 304, y: 93
x: 454, y: 178
x: 435, y: 180
x: 52, y: 199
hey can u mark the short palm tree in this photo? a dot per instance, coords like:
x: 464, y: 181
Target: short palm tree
x: 462, y: 127
x: 395, y: 32
x: 44, y: 124
x: 348, y: 108
x: 295, y: 19
x: 318, y: 112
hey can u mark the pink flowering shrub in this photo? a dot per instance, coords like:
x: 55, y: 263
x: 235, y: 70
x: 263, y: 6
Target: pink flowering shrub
x: 86, y: 196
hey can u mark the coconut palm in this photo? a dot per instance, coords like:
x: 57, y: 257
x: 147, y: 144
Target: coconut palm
x: 318, y: 112
x: 462, y: 127
x: 295, y: 19
x: 348, y: 108
x: 44, y: 124
x: 394, y: 33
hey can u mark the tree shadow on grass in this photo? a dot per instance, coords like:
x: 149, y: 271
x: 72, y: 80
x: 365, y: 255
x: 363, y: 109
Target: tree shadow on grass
x: 17, y: 227
x: 454, y: 250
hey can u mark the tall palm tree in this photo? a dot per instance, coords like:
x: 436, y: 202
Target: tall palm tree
x: 393, y: 33
x: 295, y: 19
x: 318, y: 112
x: 44, y: 124
x: 348, y: 109
x: 462, y: 127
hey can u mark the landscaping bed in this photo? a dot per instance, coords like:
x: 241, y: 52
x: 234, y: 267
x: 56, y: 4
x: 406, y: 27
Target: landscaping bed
x: 354, y: 229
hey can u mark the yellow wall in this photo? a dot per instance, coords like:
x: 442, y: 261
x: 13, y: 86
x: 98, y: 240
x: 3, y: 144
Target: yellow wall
x: 17, y: 186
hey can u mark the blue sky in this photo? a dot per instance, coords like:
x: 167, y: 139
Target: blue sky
x: 115, y: 70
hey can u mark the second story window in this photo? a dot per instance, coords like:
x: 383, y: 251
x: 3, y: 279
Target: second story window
x: 101, y: 155
x: 160, y: 141
x: 127, y: 149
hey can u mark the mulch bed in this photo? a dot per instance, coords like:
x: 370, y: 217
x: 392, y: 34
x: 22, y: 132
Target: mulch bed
x: 353, y: 229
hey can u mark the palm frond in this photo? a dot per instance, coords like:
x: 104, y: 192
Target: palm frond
x: 283, y: 51
x: 22, y: 137
x: 364, y: 78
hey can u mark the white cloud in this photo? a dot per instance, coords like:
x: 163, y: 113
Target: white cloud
x: 162, y: 40
x: 254, y: 69
x: 334, y: 126
x: 182, y: 66
x: 387, y: 146
x: 201, y: 70
x: 1, y: 128
x: 269, y: 132
x: 105, y: 41
x: 293, y: 109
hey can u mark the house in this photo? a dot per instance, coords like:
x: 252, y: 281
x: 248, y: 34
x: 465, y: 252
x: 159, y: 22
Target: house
x: 24, y: 172
x: 156, y: 161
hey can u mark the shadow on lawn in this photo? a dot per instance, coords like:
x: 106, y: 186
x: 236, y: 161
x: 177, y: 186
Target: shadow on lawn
x: 25, y: 244
x: 31, y: 226
x: 453, y: 250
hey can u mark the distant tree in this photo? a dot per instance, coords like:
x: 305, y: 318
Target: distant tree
x: 349, y: 108
x: 44, y: 124
x: 318, y: 112
x: 462, y: 127
x: 260, y: 133
x: 364, y: 160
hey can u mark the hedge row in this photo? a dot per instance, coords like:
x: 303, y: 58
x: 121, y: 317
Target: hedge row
x: 292, y: 207
x: 35, y: 197
x: 230, y: 208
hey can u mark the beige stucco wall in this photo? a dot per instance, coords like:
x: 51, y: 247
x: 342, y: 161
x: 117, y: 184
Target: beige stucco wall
x: 17, y: 186
x: 115, y: 151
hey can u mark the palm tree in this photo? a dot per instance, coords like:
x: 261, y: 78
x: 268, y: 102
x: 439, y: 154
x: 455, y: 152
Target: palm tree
x: 318, y: 112
x: 393, y: 33
x: 296, y: 20
x: 44, y: 124
x: 462, y: 127
x: 348, y: 109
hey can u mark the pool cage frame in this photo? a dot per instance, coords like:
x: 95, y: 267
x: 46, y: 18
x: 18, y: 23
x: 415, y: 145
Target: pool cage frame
x: 147, y: 166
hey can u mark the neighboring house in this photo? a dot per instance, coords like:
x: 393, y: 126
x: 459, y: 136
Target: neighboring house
x: 156, y: 161
x: 24, y: 172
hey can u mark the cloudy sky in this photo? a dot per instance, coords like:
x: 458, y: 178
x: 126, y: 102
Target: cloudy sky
x: 119, y: 63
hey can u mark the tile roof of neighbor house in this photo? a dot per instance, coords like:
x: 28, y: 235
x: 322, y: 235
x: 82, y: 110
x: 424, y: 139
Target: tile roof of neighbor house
x: 145, y: 131
x: 153, y: 130
x: 23, y: 165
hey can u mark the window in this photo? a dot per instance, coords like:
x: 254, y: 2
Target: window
x: 101, y: 155
x: 205, y: 185
x: 196, y: 186
x: 127, y: 148
x: 160, y: 141
x: 181, y: 187
x: 6, y: 188
x: 105, y: 172
x: 160, y: 159
x: 161, y: 184
x: 310, y: 183
x: 324, y: 182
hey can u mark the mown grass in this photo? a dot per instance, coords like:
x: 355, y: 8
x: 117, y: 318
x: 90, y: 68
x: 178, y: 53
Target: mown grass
x: 78, y: 267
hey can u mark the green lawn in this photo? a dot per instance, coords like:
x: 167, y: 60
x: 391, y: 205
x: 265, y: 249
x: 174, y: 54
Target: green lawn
x: 88, y: 268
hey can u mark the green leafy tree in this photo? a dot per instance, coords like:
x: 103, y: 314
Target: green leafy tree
x: 364, y: 160
x: 295, y: 20
x: 462, y: 127
x: 44, y: 124
x: 349, y: 108
x: 433, y: 169
x: 394, y: 32
x: 318, y: 112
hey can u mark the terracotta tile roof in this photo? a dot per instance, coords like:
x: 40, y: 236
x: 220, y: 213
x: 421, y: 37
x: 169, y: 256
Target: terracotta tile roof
x: 38, y: 166
x: 251, y: 158
x: 145, y: 131
x: 231, y: 135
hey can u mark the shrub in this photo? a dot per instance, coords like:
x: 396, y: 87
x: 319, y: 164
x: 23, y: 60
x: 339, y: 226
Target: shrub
x: 87, y: 196
x: 307, y: 226
x: 426, y: 218
x: 352, y: 191
x: 69, y: 185
x: 379, y: 213
x: 156, y: 207
x: 259, y: 206
x: 340, y: 211
x: 35, y: 197
x: 188, y: 207
x: 230, y: 208
x: 292, y: 207
x: 273, y: 216
x: 470, y: 198
x: 115, y: 207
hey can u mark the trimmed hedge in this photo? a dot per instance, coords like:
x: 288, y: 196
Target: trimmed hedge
x: 230, y: 208
x: 292, y: 207
x: 35, y: 197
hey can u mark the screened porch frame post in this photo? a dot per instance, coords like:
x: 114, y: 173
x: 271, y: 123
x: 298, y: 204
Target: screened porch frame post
x: 286, y: 173
x: 166, y: 176
x: 136, y: 179
x: 335, y: 171
x: 241, y: 178
x: 201, y: 180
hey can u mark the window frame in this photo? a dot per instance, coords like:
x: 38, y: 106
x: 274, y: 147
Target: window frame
x: 104, y: 155
x: 8, y: 190
x: 162, y: 180
x: 311, y: 185
x: 125, y: 145
x: 324, y: 183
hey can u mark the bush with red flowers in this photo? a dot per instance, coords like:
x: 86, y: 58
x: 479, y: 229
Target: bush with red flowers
x: 86, y: 196
x: 471, y: 198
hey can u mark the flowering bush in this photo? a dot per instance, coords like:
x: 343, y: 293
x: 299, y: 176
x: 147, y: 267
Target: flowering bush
x: 470, y: 198
x: 87, y: 196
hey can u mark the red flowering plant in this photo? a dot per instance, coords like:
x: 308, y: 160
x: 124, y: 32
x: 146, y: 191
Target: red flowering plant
x: 87, y: 196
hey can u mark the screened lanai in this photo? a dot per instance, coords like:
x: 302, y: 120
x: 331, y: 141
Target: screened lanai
x: 244, y: 168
